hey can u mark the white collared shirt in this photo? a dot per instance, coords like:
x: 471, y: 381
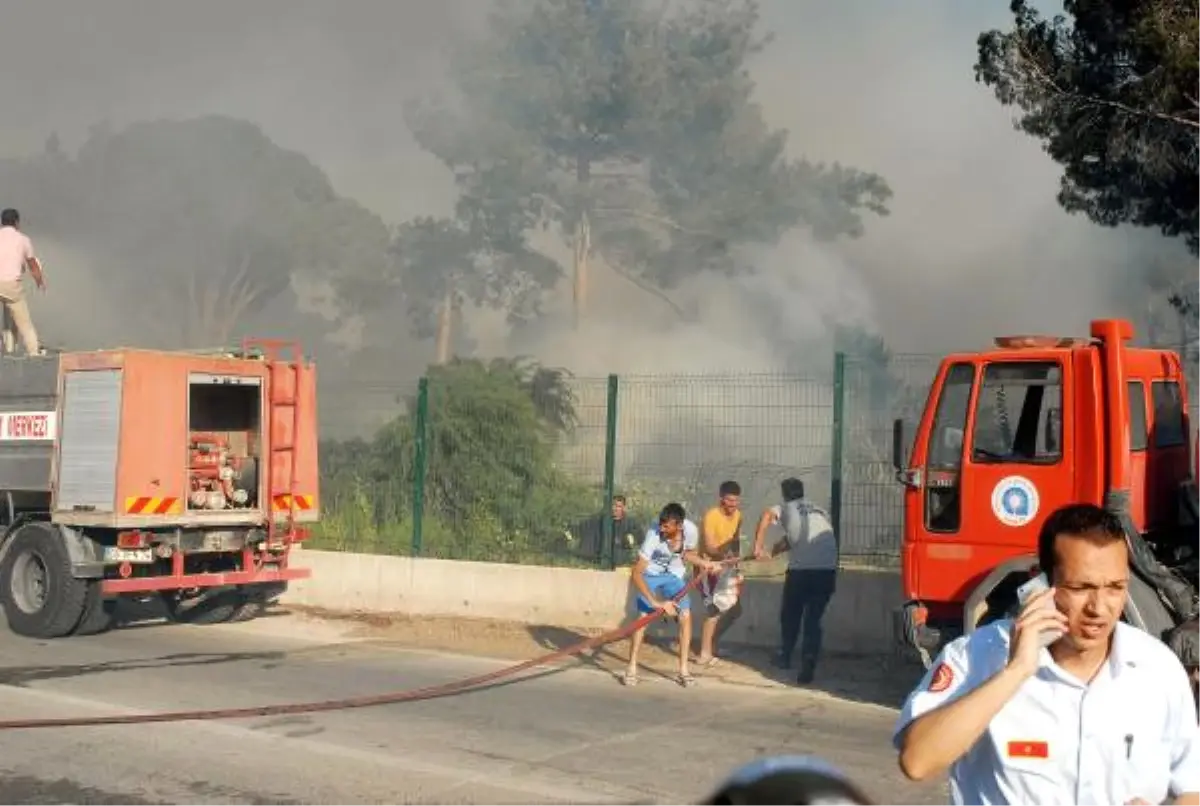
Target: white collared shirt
x: 1131, y: 733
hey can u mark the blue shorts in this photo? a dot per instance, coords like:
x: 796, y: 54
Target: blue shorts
x: 663, y: 587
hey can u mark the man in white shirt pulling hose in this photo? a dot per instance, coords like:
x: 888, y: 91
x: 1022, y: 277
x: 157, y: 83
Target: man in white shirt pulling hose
x: 16, y: 255
x: 659, y: 575
x: 1065, y: 703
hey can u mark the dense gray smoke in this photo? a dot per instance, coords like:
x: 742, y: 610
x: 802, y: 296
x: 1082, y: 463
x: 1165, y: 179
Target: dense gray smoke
x: 975, y: 245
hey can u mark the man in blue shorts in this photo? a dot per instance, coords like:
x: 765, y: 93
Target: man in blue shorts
x: 660, y: 574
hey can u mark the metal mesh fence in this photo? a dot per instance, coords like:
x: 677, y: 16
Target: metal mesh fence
x: 877, y: 392
x: 678, y: 438
x: 503, y: 482
x: 502, y: 462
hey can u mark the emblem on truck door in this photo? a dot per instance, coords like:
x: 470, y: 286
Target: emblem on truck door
x: 1014, y: 501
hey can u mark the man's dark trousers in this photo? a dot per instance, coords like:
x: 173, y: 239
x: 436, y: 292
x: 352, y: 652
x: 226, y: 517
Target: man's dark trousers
x: 806, y: 594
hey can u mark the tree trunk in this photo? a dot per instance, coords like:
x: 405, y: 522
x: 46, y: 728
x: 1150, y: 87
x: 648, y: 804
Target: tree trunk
x: 445, y: 328
x: 582, y: 242
x: 583, y: 247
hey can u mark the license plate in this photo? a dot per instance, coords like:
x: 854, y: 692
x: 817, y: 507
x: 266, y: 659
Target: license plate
x: 112, y: 554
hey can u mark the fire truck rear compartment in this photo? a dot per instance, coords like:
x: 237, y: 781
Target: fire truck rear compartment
x: 224, y: 443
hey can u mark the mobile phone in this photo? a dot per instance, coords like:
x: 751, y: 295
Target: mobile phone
x: 1025, y: 592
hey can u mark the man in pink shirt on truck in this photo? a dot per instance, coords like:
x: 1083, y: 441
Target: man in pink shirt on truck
x: 16, y: 255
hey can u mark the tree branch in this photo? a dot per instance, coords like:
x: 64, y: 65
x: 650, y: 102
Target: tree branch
x: 1048, y: 82
x: 649, y: 289
x: 656, y: 219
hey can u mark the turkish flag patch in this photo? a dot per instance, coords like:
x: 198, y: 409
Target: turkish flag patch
x: 943, y: 676
x: 1028, y: 750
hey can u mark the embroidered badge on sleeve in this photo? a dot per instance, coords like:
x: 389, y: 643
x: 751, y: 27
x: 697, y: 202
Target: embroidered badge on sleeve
x: 943, y: 676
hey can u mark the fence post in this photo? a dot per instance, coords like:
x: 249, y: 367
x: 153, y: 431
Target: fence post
x: 837, y: 452
x: 608, y: 556
x: 420, y: 460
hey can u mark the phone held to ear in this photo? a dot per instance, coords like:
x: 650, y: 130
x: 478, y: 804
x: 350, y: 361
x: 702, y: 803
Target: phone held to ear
x: 1036, y: 585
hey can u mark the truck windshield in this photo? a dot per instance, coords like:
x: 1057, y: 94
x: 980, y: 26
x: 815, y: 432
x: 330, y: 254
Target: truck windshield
x: 1018, y: 414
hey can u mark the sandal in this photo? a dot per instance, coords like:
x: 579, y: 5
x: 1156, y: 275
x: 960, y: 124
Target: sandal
x: 685, y: 680
x: 708, y: 663
x: 629, y: 679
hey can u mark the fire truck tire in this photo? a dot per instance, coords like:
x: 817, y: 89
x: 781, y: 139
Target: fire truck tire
x: 99, y: 612
x: 256, y: 599
x: 215, y: 608
x: 40, y: 596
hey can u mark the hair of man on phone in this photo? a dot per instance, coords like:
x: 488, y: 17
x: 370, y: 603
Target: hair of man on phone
x: 1086, y: 522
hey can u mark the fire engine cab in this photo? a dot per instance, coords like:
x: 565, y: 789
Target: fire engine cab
x: 1011, y: 434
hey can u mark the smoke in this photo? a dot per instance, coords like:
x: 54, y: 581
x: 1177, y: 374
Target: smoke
x: 976, y: 229
x: 878, y: 85
x: 976, y: 244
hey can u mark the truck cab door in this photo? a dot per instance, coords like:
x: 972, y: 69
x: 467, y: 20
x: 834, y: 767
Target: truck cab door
x: 1019, y: 459
x: 933, y: 502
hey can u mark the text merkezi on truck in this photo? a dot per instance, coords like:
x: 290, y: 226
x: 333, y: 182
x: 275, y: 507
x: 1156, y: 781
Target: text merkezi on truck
x: 1009, y: 435
x: 147, y: 473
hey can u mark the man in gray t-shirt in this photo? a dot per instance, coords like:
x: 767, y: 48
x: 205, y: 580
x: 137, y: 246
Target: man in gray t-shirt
x: 811, y: 577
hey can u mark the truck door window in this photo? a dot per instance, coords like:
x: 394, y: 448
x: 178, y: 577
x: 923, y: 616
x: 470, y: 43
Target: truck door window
x: 943, y: 508
x: 1138, y: 431
x: 1168, y: 414
x: 1018, y: 414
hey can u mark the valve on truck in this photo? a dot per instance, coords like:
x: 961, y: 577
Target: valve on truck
x: 219, y: 477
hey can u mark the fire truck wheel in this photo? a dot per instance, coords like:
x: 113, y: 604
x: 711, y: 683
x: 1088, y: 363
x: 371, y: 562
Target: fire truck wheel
x: 40, y: 596
x: 256, y: 599
x: 216, y: 607
x: 99, y: 612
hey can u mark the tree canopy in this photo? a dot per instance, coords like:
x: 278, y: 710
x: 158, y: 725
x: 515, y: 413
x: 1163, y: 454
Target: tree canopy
x: 442, y: 264
x: 628, y: 128
x: 203, y: 221
x: 1110, y: 88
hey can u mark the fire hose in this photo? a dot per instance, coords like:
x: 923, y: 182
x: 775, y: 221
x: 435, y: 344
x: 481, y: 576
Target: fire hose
x: 368, y: 701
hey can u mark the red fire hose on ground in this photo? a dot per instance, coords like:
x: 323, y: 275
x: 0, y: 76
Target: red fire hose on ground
x: 412, y: 695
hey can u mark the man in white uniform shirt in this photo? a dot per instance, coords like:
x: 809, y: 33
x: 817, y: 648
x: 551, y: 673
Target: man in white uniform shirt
x: 1105, y: 714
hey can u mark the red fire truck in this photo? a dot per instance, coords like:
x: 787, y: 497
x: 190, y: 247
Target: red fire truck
x: 136, y: 473
x: 1010, y: 434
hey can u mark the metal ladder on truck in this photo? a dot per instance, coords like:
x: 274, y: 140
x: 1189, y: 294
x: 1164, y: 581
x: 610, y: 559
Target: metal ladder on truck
x: 283, y: 403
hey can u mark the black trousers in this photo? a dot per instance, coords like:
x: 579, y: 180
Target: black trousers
x: 806, y: 594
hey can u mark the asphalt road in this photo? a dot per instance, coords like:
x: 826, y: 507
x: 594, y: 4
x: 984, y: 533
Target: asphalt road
x: 573, y: 735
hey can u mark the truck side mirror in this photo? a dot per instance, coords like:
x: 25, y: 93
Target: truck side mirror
x: 898, y: 444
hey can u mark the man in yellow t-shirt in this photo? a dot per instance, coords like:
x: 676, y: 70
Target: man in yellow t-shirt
x: 719, y: 540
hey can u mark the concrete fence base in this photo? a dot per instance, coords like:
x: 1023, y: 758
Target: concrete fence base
x: 858, y: 620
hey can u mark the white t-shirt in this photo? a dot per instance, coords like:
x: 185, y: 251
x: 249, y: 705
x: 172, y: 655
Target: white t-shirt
x: 1131, y: 733
x: 659, y: 557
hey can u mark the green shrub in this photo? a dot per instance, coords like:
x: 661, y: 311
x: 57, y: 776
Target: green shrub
x: 492, y: 491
